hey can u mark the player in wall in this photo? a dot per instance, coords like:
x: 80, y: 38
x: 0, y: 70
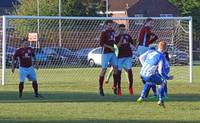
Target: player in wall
x: 123, y: 41
x: 26, y: 69
x: 153, y: 64
x: 107, y: 40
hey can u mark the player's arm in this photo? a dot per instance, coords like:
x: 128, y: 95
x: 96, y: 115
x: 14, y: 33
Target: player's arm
x: 153, y: 37
x: 143, y: 57
x: 162, y: 72
x: 119, y: 42
x: 14, y: 58
x: 35, y: 60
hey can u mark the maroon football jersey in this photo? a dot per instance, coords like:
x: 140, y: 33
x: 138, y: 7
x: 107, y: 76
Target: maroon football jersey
x: 124, y: 49
x: 25, y: 56
x: 108, y: 38
x: 145, y: 36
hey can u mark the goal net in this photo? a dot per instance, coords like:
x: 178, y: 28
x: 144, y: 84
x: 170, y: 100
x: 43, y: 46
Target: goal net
x: 67, y: 48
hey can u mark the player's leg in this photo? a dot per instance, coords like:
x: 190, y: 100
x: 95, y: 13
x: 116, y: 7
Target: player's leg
x: 114, y: 62
x: 119, y: 90
x: 32, y: 77
x: 110, y: 73
x: 165, y: 90
x: 22, y: 76
x: 128, y: 66
x: 157, y: 79
x: 144, y: 91
x: 104, y: 60
x: 161, y: 95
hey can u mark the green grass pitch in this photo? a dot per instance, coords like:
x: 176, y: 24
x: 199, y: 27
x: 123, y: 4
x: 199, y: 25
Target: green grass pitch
x: 70, y: 98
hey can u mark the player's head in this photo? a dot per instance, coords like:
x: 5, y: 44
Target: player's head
x: 162, y: 46
x: 122, y: 28
x: 109, y: 24
x: 148, y: 22
x: 25, y: 43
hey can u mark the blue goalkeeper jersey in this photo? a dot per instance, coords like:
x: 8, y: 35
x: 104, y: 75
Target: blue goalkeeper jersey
x: 153, y: 62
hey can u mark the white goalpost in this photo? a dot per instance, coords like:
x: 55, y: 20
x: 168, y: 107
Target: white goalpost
x: 79, y: 36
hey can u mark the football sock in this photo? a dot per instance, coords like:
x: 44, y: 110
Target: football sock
x: 21, y: 87
x: 165, y: 88
x: 153, y: 86
x: 101, y: 79
x: 119, y: 79
x: 130, y: 78
x: 145, y: 89
x: 35, y: 87
x: 161, y: 92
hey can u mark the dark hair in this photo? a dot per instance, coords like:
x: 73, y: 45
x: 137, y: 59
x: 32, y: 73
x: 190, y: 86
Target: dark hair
x: 166, y: 56
x: 108, y: 21
x: 122, y: 25
x: 148, y: 20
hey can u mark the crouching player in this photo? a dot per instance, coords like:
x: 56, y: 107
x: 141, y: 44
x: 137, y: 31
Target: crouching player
x: 124, y: 41
x: 153, y: 86
x: 153, y: 71
x: 25, y: 55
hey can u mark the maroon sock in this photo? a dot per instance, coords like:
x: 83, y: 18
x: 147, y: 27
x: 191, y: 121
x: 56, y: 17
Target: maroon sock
x: 35, y: 87
x: 119, y: 79
x: 115, y: 78
x: 130, y: 78
x: 21, y: 87
x: 101, y: 79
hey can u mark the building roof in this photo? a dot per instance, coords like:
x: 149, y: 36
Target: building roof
x: 120, y: 5
x: 9, y: 3
x: 153, y: 8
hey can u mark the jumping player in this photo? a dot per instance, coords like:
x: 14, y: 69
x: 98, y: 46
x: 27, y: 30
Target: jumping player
x: 146, y: 37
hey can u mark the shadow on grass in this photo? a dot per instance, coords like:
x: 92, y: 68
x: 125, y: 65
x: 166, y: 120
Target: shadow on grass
x: 99, y: 121
x: 51, y: 97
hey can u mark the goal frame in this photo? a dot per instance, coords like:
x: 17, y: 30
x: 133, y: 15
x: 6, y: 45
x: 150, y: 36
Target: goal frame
x: 4, y: 26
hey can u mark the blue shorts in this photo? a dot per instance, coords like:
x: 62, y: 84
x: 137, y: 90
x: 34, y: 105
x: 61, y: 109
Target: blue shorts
x: 108, y: 58
x: 154, y: 79
x: 141, y: 50
x: 125, y: 63
x: 27, y: 72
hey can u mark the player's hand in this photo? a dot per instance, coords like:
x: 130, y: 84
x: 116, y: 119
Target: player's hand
x: 37, y: 65
x: 113, y: 49
x: 171, y: 77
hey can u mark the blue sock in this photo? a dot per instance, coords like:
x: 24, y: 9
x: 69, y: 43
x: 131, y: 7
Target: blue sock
x: 165, y: 88
x: 161, y: 92
x: 154, y: 89
x: 145, y: 89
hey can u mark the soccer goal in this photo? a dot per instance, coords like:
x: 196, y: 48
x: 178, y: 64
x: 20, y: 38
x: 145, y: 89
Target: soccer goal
x: 67, y: 48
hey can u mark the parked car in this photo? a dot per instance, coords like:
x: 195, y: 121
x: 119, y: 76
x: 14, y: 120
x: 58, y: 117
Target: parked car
x: 82, y: 54
x: 94, y: 57
x: 47, y: 55
x: 67, y: 55
x: 9, y: 54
